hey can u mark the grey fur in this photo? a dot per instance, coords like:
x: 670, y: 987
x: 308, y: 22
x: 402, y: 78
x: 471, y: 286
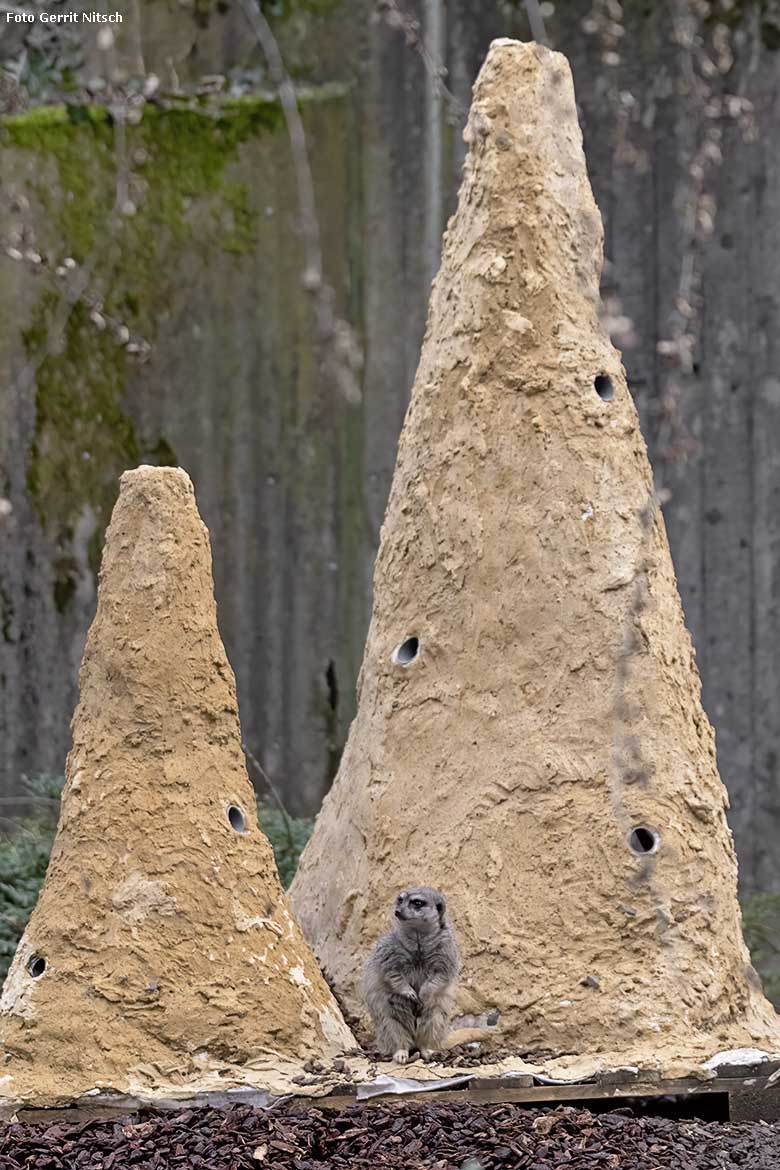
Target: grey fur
x: 410, y: 976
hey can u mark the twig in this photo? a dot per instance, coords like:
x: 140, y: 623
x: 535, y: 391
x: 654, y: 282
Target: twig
x: 258, y: 767
x: 395, y: 17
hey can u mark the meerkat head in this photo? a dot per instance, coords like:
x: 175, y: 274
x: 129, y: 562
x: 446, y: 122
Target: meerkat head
x: 420, y: 908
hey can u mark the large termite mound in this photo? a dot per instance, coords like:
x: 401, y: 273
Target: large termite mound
x: 162, y: 942
x: 530, y: 736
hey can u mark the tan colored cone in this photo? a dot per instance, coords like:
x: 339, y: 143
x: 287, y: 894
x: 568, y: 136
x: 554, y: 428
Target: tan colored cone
x: 510, y: 760
x: 167, y: 939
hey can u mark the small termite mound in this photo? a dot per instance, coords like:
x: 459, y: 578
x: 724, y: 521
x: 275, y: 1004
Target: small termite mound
x: 162, y: 938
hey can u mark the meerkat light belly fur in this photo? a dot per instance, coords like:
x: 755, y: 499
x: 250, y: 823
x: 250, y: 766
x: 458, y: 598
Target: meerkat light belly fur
x: 410, y: 977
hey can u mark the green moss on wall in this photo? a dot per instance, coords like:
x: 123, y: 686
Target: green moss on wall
x: 81, y: 429
x: 177, y: 155
x: 177, y: 162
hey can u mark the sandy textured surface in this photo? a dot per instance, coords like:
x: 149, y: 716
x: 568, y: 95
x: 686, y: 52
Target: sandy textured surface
x: 171, y: 953
x: 509, y: 762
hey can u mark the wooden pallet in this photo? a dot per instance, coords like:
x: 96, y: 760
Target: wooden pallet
x: 725, y: 1098
x: 736, y: 1093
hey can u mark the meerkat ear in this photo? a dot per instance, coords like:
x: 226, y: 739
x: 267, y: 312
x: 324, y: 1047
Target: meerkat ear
x: 441, y: 906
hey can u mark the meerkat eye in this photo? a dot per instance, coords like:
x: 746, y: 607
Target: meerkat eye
x: 417, y: 903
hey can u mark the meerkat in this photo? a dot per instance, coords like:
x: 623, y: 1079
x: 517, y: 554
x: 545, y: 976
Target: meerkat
x: 410, y: 976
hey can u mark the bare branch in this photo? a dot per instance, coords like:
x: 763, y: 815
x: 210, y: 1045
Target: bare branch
x: 395, y: 17
x: 258, y: 767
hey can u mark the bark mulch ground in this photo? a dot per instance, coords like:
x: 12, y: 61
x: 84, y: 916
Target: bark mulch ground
x: 435, y: 1136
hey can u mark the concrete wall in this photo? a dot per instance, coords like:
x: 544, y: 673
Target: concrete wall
x: 293, y: 483
x: 207, y: 273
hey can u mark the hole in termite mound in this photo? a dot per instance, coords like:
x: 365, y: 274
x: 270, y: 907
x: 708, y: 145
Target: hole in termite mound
x: 36, y: 965
x: 236, y: 817
x: 604, y: 387
x: 406, y: 652
x: 642, y: 841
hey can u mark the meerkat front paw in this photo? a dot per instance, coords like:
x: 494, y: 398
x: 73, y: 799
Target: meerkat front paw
x: 427, y: 1053
x: 401, y: 1055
